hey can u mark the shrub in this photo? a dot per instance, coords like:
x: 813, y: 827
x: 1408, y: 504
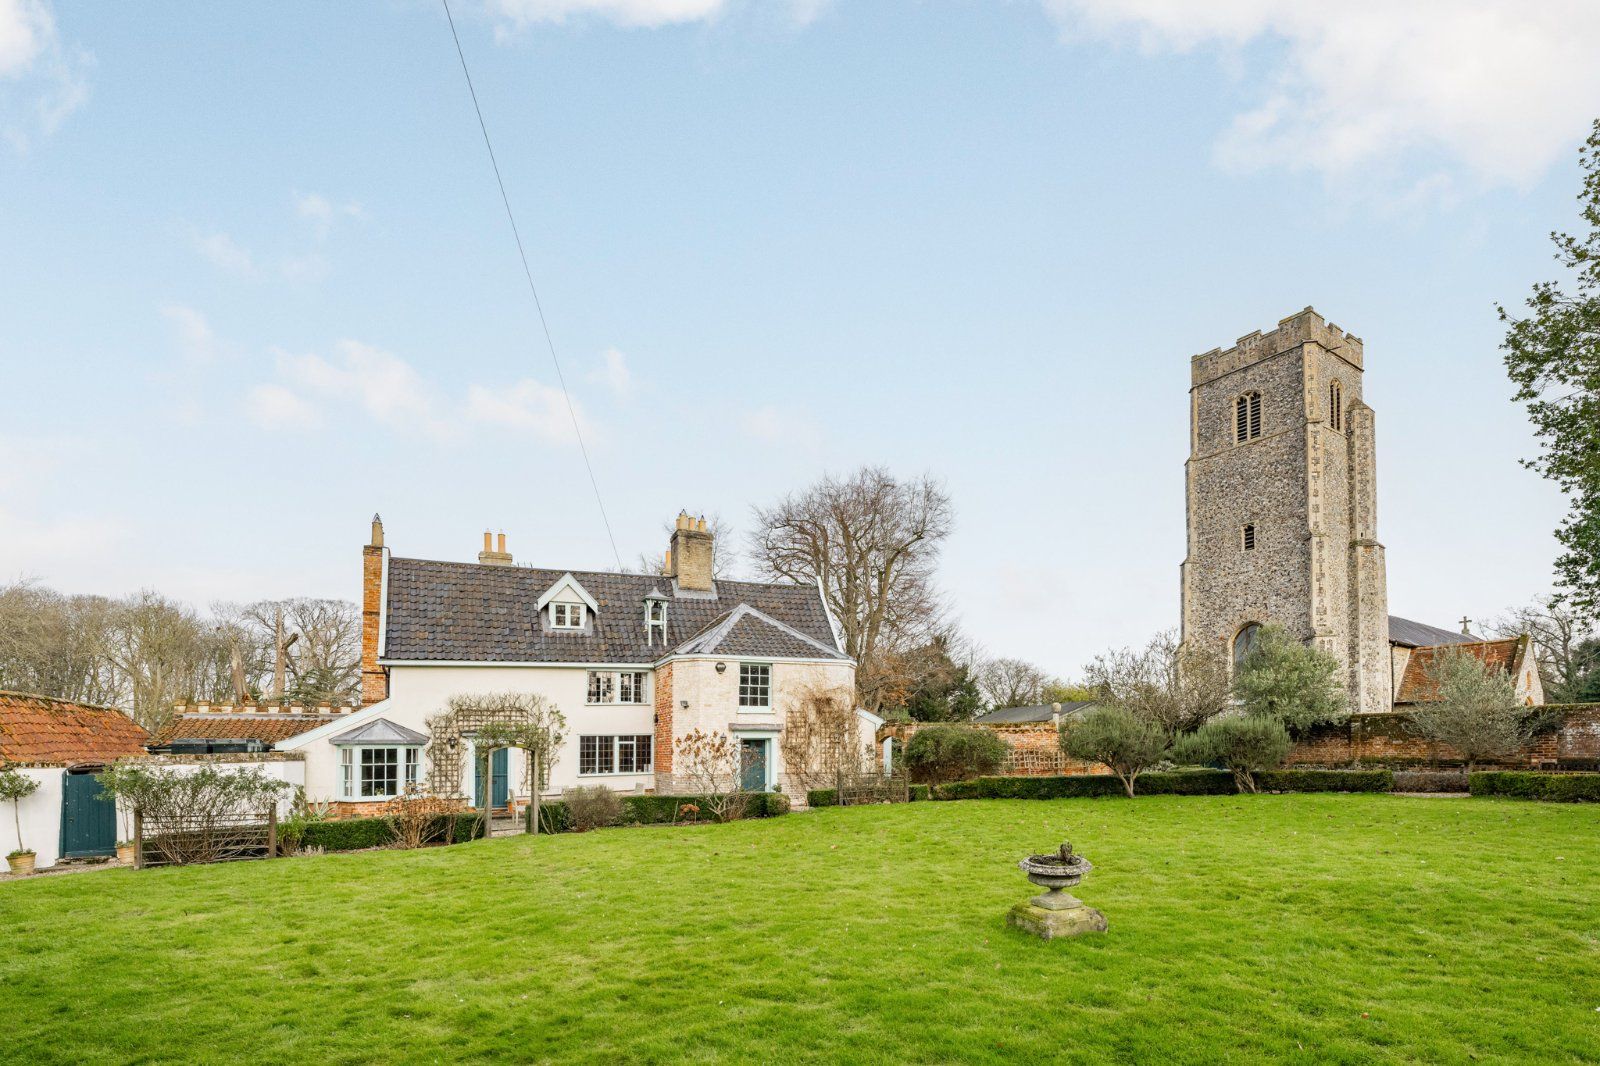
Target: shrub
x: 1525, y: 784
x: 15, y: 786
x: 1430, y: 781
x: 357, y: 834
x: 592, y: 807
x: 1128, y: 744
x: 953, y: 753
x: 557, y: 817
x: 1243, y: 745
x: 1325, y: 781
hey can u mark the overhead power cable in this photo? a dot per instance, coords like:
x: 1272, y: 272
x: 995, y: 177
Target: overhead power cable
x: 527, y: 272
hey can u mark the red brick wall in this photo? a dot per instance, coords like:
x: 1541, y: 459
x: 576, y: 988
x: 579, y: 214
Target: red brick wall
x: 663, y: 753
x: 1387, y: 738
x: 374, y: 678
x: 1033, y: 749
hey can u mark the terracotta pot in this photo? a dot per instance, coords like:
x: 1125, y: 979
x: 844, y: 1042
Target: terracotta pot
x: 21, y: 864
x: 125, y: 854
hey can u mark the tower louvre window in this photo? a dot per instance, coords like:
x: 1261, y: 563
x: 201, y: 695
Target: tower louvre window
x: 1249, y: 537
x: 1336, y: 406
x: 1247, y: 417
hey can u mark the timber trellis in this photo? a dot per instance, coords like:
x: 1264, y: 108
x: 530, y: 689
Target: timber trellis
x: 191, y: 838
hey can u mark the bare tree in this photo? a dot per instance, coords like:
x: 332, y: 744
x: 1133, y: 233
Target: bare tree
x: 1475, y: 710
x: 1563, y: 645
x: 710, y: 766
x: 164, y: 653
x: 1176, y: 687
x: 54, y: 644
x: 304, y: 649
x: 821, y: 740
x: 1012, y: 683
x: 873, y: 542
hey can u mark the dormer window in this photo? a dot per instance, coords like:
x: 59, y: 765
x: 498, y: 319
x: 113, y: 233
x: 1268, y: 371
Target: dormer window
x: 655, y: 620
x: 566, y: 616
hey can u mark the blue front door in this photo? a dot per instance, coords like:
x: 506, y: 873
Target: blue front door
x: 499, y: 777
x: 753, y: 765
x: 88, y: 818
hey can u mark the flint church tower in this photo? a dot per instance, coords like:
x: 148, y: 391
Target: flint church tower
x: 1282, y: 502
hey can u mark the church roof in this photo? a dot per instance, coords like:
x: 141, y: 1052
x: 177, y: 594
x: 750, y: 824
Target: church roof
x: 1417, y: 635
x: 1416, y: 686
x: 1038, y: 713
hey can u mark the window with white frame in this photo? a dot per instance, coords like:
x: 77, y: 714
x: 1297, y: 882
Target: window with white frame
x: 378, y: 773
x: 755, y: 685
x: 611, y: 686
x: 630, y: 753
x: 566, y: 616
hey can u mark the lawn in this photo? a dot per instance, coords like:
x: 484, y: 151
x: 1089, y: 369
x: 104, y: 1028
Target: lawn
x: 1299, y: 928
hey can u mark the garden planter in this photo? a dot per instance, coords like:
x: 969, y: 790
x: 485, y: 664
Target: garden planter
x: 125, y: 854
x: 21, y: 864
x: 1056, y: 912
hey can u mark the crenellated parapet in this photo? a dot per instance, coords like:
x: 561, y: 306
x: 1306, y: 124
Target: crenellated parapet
x: 1301, y: 328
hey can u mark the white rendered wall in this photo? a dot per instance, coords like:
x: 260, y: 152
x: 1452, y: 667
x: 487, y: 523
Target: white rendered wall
x: 40, y: 815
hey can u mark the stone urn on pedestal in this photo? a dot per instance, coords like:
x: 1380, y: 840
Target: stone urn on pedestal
x: 1056, y: 912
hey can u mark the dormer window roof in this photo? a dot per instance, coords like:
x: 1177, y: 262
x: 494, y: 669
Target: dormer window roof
x: 567, y: 588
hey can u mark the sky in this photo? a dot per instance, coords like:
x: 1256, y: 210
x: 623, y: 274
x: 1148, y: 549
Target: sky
x: 256, y: 281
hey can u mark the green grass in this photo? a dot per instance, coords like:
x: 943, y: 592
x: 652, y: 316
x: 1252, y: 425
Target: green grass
x: 1284, y: 928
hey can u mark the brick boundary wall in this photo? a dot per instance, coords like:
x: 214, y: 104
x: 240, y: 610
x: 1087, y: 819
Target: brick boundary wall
x: 1387, y: 738
x: 1033, y: 749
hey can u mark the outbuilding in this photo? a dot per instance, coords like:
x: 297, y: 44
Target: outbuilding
x: 62, y: 745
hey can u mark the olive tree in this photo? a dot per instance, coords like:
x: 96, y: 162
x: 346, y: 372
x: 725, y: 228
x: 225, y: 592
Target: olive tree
x: 15, y: 786
x: 1242, y: 744
x: 1289, y: 681
x: 1474, y: 709
x: 1114, y: 735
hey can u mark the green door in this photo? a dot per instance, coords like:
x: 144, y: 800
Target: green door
x: 88, y: 818
x: 499, y: 776
x: 753, y: 765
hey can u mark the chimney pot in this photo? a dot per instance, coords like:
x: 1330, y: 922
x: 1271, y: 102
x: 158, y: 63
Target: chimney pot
x: 488, y: 543
x: 377, y: 532
x: 502, y: 544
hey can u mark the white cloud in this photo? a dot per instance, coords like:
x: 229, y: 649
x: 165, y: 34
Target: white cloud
x: 223, y: 252
x: 773, y: 425
x: 521, y: 13
x: 528, y: 406
x: 1503, y: 89
x: 311, y: 388
x: 323, y: 212
x: 195, y: 336
x: 41, y: 83
x: 613, y: 373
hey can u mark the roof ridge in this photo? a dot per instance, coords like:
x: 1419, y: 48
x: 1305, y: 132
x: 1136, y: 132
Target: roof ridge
x: 60, y: 699
x: 521, y: 568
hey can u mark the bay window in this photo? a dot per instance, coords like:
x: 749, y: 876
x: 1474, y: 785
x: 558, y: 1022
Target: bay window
x: 378, y: 773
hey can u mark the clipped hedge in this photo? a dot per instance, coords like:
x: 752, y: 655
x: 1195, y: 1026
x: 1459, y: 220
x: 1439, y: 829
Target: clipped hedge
x: 1526, y: 784
x: 354, y: 834
x: 1430, y: 781
x: 1176, y: 783
x: 655, y: 810
x: 1325, y: 780
x: 829, y: 797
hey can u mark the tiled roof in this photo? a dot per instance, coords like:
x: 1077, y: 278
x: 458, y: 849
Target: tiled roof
x: 266, y: 726
x: 1043, y: 713
x: 746, y: 631
x: 42, y: 729
x: 1417, y: 635
x: 1417, y: 687
x: 471, y: 612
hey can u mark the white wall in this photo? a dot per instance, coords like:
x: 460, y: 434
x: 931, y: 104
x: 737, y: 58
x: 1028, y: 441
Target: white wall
x: 40, y: 814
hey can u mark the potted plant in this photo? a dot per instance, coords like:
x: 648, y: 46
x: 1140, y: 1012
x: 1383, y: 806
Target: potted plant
x: 14, y: 786
x: 125, y: 852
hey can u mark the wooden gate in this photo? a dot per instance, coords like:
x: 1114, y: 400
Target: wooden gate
x: 88, y: 817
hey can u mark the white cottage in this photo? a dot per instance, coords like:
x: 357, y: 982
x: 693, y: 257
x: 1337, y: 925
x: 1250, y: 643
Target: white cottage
x: 633, y: 661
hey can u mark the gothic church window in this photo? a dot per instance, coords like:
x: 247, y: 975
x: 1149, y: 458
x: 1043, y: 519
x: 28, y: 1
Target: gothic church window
x: 1336, y: 406
x: 1244, y: 642
x: 1247, y: 417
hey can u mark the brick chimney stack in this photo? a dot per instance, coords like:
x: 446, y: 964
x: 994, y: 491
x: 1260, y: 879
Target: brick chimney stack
x: 374, y: 678
x: 492, y: 555
x: 691, y: 554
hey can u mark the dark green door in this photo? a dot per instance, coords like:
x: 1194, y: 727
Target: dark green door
x: 499, y: 775
x: 753, y: 765
x: 88, y: 818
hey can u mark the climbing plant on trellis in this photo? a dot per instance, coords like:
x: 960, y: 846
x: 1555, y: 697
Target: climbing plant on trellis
x: 494, y: 721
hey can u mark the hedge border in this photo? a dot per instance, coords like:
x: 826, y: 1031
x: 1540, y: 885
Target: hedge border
x: 1325, y: 780
x: 1532, y: 785
x: 654, y: 810
x: 829, y: 797
x: 356, y: 834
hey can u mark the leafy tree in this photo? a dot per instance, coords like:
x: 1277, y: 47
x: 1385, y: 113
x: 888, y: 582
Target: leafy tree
x: 1127, y: 742
x: 15, y: 786
x: 1553, y: 358
x: 932, y: 686
x: 1475, y: 710
x: 1065, y: 692
x: 1294, y: 683
x: 1243, y: 744
x: 941, y: 753
x: 1175, y: 686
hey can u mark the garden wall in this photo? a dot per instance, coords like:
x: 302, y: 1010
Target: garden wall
x: 1387, y: 738
x: 1033, y: 749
